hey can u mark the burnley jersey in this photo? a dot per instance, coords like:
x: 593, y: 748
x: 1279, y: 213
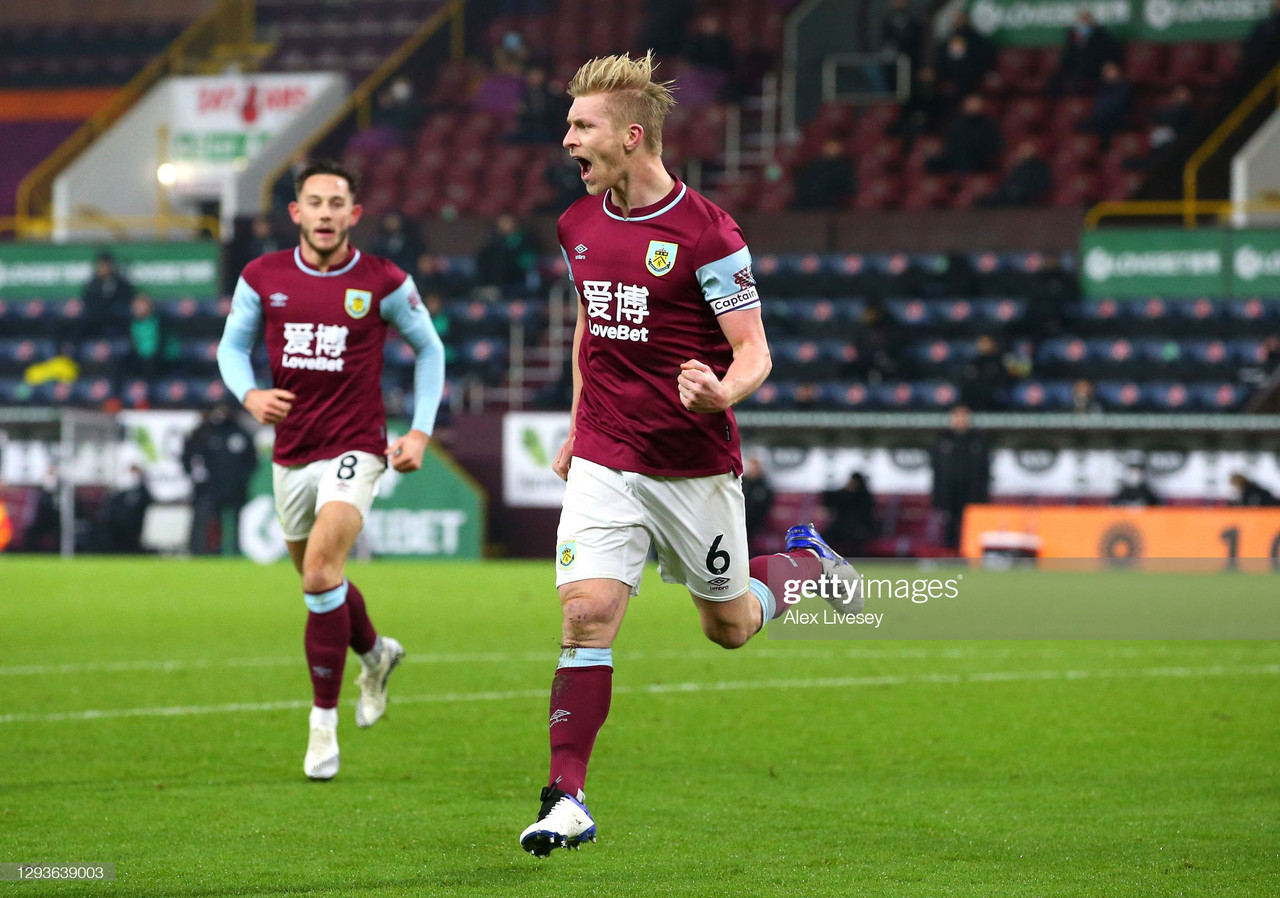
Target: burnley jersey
x: 324, y: 332
x: 651, y: 285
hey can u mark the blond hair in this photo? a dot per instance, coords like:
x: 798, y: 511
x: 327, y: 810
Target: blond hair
x: 633, y: 95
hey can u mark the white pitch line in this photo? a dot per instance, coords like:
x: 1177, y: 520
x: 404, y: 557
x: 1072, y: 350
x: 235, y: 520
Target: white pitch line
x: 546, y: 657
x: 1005, y: 676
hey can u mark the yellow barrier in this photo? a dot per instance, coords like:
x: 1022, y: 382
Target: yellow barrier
x: 120, y: 227
x: 1230, y: 124
x: 1173, y: 208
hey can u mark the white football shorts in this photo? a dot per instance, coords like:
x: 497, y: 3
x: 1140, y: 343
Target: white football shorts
x: 611, y: 517
x: 301, y: 490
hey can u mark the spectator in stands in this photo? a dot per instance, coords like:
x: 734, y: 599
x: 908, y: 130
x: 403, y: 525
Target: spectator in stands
x: 663, y: 28
x: 758, y: 495
x: 902, y: 33
x: 826, y: 183
x: 540, y: 115
x: 508, y: 262
x: 1028, y: 182
x: 149, y: 346
x: 708, y: 47
x: 120, y: 521
x: 512, y: 55
x: 1084, y: 401
x: 923, y: 111
x: 1250, y: 494
x: 961, y: 460
x: 1112, y: 105
x: 430, y: 275
x: 958, y: 68
x: 1170, y: 120
x: 1087, y: 48
x: 984, y: 378
x: 1134, y: 488
x: 220, y: 458
x: 973, y: 143
x: 442, y: 322
x: 262, y: 239
x: 106, y: 298
x: 1257, y: 374
x: 396, y: 107
x: 1261, y: 48
x: 564, y: 177
x: 1050, y: 290
x: 397, y: 240
x: 980, y: 46
x: 853, y: 513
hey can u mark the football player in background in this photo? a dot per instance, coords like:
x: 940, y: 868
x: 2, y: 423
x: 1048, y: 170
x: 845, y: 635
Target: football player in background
x: 668, y: 339
x: 324, y: 308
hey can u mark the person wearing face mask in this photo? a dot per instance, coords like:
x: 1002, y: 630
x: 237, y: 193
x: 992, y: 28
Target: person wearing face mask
x: 220, y: 458
x: 1087, y: 48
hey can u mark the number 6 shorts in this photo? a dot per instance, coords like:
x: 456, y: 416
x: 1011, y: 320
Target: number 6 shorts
x: 301, y: 490
x: 611, y: 517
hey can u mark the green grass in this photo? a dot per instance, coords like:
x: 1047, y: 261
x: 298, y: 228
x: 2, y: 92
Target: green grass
x: 926, y: 768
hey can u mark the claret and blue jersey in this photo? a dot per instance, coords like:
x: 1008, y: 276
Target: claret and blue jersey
x: 652, y: 285
x: 324, y: 332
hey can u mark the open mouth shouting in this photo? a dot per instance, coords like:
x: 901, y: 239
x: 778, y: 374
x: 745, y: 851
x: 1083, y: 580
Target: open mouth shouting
x: 585, y: 164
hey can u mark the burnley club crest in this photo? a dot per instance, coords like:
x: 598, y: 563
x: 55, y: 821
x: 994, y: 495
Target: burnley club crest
x: 661, y: 258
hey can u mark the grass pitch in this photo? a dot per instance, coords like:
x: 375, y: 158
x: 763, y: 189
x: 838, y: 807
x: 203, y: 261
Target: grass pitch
x: 153, y: 714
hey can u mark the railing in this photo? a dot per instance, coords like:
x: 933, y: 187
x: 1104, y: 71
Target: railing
x: 231, y: 21
x: 121, y: 227
x: 360, y: 103
x: 1221, y: 209
x: 1232, y: 123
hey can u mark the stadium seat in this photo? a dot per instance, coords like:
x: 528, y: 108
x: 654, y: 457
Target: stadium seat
x: 1046, y: 396
x: 1120, y: 395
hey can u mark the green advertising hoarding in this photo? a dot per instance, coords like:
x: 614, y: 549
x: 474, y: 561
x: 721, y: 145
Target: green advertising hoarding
x: 1153, y: 262
x: 1255, y: 263
x: 1032, y: 22
x: 1128, y: 262
x: 60, y: 271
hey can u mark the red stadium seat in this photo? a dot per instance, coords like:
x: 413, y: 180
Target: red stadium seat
x: 1067, y: 112
x: 1145, y: 64
x: 928, y: 192
x: 1189, y: 65
x: 1078, y: 190
x: 1226, y: 59
x: 973, y: 188
x: 884, y: 192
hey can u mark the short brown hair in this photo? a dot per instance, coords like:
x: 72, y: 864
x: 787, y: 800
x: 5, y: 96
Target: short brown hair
x: 326, y: 167
x: 633, y: 94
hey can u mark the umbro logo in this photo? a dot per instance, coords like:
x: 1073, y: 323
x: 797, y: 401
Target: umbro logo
x: 581, y: 250
x: 278, y: 300
x: 718, y: 584
x: 558, y: 715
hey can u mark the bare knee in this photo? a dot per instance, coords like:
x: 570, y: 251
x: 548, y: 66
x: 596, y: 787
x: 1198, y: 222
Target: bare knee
x: 726, y: 634
x: 318, y: 577
x: 590, y: 617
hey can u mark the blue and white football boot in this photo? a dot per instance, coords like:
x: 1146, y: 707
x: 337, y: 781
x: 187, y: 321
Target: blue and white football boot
x: 848, y: 596
x: 563, y: 822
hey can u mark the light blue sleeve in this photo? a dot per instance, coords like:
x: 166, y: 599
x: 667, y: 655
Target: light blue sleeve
x: 403, y: 308
x: 237, y: 340
x: 727, y: 283
x: 567, y: 264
